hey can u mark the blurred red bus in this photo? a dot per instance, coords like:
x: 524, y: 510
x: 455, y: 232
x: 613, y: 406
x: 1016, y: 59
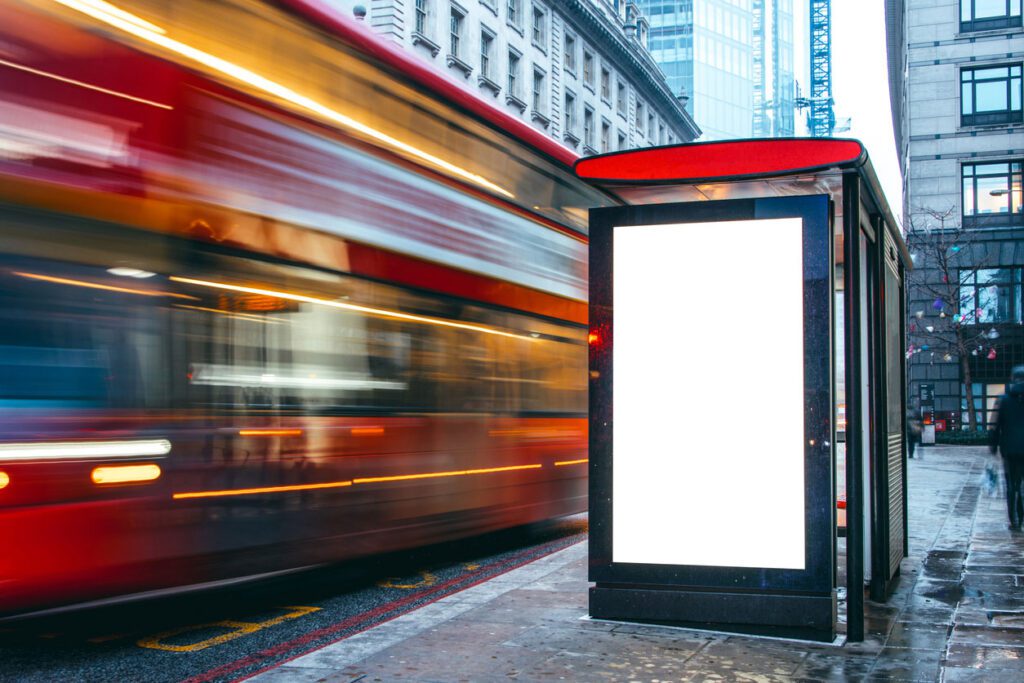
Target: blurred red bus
x: 274, y: 294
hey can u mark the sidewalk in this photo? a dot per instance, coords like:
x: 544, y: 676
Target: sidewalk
x: 956, y: 616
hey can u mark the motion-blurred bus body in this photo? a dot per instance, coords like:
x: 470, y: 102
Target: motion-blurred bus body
x: 274, y: 294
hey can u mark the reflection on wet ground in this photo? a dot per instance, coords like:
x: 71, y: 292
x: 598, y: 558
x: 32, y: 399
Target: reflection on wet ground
x: 963, y: 610
x: 956, y: 615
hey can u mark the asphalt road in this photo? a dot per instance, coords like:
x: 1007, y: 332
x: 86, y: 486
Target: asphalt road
x: 228, y: 635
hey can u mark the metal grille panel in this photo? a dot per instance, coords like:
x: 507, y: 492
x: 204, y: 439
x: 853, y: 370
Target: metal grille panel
x: 895, y: 453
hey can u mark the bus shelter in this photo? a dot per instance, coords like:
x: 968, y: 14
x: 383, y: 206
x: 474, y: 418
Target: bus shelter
x: 747, y: 377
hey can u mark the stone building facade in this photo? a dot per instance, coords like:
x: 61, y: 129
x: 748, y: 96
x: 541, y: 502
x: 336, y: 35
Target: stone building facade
x: 955, y: 84
x: 578, y: 70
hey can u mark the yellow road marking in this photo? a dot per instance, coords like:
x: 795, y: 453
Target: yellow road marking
x: 427, y: 580
x: 237, y: 630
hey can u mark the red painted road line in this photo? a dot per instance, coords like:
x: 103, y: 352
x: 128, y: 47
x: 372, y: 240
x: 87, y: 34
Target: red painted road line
x: 353, y: 621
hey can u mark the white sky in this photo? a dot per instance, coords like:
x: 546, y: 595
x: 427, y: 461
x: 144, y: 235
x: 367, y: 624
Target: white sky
x: 860, y: 84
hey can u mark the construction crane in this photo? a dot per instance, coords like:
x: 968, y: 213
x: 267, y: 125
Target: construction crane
x: 822, y: 118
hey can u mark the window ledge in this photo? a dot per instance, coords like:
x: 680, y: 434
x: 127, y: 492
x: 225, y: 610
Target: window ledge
x: 993, y: 220
x: 541, y: 47
x: 486, y: 82
x: 491, y: 5
x: 589, y: 86
x: 515, y: 102
x: 979, y: 127
x: 452, y: 60
x: 988, y: 32
x: 420, y: 39
x: 539, y: 118
x: 515, y: 27
x: 588, y: 150
x: 571, y: 138
x: 1014, y: 31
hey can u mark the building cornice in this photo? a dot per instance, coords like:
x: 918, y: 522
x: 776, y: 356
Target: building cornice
x: 896, y: 45
x: 631, y: 57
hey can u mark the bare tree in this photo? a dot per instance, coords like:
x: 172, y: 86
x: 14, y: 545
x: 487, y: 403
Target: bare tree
x: 945, y: 257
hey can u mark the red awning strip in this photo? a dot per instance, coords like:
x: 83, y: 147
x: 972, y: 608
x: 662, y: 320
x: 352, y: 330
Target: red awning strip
x: 719, y: 161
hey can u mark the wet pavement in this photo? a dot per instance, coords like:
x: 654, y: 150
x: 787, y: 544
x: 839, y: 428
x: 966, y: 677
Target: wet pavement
x: 957, y: 615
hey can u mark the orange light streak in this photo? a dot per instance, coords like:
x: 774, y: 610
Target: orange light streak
x: 367, y: 431
x: 81, y: 84
x: 434, y: 475
x: 383, y: 312
x: 563, y: 463
x: 4, y: 480
x: 96, y: 285
x: 270, y: 432
x: 265, y: 489
x: 506, y: 432
x: 123, y: 474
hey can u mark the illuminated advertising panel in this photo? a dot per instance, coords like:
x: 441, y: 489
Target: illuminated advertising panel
x: 708, y: 394
x: 711, y: 457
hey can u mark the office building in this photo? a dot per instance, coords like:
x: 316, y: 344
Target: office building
x: 732, y: 58
x: 955, y: 81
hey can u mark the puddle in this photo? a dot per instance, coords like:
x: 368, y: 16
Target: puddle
x: 951, y: 595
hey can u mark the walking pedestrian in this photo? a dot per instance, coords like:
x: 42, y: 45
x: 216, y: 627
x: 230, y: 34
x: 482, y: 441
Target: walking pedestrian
x: 1007, y: 436
x: 913, y: 430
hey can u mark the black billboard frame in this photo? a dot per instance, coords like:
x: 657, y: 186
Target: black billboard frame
x: 782, y: 602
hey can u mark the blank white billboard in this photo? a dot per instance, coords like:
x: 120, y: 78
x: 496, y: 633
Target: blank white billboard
x: 708, y: 394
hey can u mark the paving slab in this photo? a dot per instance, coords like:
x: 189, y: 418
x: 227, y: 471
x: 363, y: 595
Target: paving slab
x: 956, y: 616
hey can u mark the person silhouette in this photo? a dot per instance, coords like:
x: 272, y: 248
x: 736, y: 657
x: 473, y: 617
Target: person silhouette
x: 1007, y: 437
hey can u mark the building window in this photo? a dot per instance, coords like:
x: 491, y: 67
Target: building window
x: 650, y: 127
x: 639, y: 121
x: 514, y: 14
x: 422, y: 7
x: 983, y: 15
x: 606, y: 85
x: 990, y: 295
x: 588, y: 68
x: 458, y: 19
x: 661, y: 134
x: 513, y: 74
x: 620, y: 98
x: 588, y: 127
x: 606, y: 135
x: 622, y: 141
x: 991, y: 194
x: 570, y: 53
x: 540, y: 32
x: 537, y: 102
x: 986, y: 396
x: 486, y: 46
x: 990, y: 95
x: 570, y: 115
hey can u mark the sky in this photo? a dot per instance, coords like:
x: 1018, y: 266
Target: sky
x: 860, y: 87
